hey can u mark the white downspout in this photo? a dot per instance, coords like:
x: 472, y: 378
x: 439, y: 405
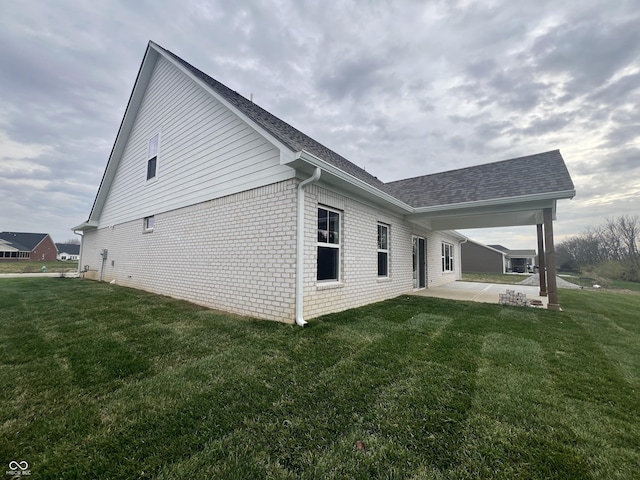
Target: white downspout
x: 300, y: 247
x: 460, y: 242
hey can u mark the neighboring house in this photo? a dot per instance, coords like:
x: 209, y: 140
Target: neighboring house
x: 68, y: 251
x: 16, y: 246
x: 519, y: 261
x: 209, y: 198
x: 479, y: 258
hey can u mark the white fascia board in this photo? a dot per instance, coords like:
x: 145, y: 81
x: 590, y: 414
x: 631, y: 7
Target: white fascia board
x: 85, y: 226
x: 130, y: 114
x: 349, y: 179
x: 456, y: 234
x: 273, y: 140
x: 499, y: 201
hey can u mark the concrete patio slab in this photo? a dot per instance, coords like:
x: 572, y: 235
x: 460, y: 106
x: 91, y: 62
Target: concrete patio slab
x: 480, y: 292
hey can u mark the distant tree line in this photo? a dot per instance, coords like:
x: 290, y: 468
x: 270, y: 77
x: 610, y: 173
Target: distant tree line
x: 614, y: 244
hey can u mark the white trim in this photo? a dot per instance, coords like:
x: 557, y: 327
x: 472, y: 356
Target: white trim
x: 146, y: 222
x: 156, y: 172
x: 450, y: 266
x: 327, y: 244
x: 499, y: 201
x: 416, y: 265
x: 356, y: 182
x: 383, y: 250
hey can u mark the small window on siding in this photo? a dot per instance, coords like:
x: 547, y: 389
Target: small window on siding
x: 447, y: 257
x: 383, y: 250
x: 149, y: 223
x: 152, y: 156
x: 328, y: 244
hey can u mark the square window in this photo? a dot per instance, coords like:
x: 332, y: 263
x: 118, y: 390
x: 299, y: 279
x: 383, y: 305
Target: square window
x: 149, y: 223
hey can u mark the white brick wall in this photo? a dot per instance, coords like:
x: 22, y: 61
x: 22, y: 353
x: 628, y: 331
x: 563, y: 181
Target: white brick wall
x: 235, y: 253
x: 238, y: 253
x: 359, y: 283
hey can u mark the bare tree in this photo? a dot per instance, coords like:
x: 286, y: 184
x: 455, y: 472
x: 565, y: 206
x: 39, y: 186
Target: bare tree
x: 617, y: 240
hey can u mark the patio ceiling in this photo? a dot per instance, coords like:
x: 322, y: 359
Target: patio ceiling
x: 499, y: 214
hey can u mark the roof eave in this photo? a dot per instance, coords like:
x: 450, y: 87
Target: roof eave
x: 306, y: 162
x: 565, y: 194
x: 126, y: 125
x: 85, y: 226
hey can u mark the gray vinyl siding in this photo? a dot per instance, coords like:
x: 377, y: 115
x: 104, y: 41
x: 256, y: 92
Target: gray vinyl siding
x: 479, y: 259
x: 205, y: 152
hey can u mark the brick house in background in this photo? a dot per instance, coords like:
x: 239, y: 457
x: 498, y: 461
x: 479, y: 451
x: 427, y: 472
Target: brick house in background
x: 210, y: 198
x: 16, y: 246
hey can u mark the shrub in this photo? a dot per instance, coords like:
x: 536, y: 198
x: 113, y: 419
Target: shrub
x: 631, y: 273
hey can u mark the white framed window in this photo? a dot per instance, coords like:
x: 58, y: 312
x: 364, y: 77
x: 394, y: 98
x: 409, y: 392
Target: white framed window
x: 447, y: 257
x: 383, y: 250
x: 328, y: 244
x: 149, y: 223
x: 152, y: 156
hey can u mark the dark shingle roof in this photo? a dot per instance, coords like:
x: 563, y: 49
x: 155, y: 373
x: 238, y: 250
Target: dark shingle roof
x: 25, y: 242
x: 285, y: 133
x: 70, y: 248
x: 531, y: 175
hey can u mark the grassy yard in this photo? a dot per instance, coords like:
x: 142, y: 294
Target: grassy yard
x: 511, y: 278
x: 54, y: 266
x: 101, y: 381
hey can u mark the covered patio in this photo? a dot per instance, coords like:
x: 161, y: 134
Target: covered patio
x: 517, y: 192
x: 481, y: 292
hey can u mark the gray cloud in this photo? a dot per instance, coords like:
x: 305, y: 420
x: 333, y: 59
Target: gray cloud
x: 402, y: 88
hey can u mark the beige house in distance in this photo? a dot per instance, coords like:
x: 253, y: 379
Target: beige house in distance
x: 209, y: 198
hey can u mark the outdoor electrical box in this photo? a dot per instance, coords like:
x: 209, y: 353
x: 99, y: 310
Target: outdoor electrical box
x: 104, y: 253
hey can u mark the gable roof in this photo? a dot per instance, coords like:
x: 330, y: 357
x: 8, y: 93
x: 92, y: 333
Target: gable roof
x: 525, y: 180
x: 25, y: 242
x: 70, y: 248
x: 531, y: 175
x: 293, y: 138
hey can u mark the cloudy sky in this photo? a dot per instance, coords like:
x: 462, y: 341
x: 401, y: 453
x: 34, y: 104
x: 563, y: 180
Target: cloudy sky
x: 401, y: 88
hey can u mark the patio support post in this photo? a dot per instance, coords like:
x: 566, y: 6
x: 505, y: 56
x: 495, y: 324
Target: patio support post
x: 542, y: 267
x: 550, y: 260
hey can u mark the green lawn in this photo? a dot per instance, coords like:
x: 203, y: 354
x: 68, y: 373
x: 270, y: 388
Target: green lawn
x: 101, y: 381
x: 625, y: 285
x: 511, y: 278
x: 53, y: 266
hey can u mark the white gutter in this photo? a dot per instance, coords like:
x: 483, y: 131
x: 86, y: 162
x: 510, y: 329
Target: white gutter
x: 352, y: 180
x: 300, y: 247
